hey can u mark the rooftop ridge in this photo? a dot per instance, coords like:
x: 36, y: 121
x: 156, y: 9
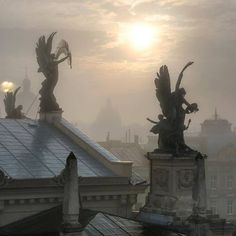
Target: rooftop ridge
x: 121, y: 168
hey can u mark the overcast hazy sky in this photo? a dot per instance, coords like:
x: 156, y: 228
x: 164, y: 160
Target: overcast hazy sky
x: 106, y: 65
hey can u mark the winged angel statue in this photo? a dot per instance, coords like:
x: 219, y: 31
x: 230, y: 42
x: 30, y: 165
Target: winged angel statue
x: 174, y: 106
x: 11, y: 110
x: 48, y: 65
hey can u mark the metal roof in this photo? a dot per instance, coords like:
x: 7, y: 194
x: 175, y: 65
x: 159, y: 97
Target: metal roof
x: 35, y: 149
x: 108, y: 155
x: 104, y: 224
x: 48, y: 222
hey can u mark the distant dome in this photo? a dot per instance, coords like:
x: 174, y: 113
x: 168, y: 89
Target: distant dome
x: 107, y: 120
x: 108, y: 116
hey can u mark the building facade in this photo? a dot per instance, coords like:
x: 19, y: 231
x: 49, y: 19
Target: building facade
x: 32, y: 158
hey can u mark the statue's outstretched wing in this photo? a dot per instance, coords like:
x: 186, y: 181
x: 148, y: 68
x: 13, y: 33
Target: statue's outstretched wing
x: 163, y: 90
x: 63, y: 48
x: 43, y: 52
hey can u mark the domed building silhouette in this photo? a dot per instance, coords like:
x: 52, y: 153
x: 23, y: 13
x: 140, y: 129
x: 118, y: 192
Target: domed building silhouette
x: 107, y: 120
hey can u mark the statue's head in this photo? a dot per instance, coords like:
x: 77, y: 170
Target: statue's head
x: 160, y: 117
x: 182, y: 92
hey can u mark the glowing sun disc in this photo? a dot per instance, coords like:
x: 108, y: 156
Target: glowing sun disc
x: 141, y: 36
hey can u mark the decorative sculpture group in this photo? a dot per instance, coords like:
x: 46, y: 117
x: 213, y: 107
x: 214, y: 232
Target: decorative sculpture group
x: 171, y: 124
x: 48, y: 65
x: 11, y: 110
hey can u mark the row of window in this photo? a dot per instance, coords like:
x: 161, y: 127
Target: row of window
x: 229, y: 207
x: 229, y: 181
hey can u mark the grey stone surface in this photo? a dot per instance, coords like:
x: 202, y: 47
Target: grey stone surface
x: 172, y: 183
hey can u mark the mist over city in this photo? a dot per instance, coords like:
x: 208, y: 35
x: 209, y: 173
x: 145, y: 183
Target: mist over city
x: 107, y: 64
x: 117, y: 117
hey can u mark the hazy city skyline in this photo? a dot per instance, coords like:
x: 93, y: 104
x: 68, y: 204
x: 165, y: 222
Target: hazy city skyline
x: 107, y: 65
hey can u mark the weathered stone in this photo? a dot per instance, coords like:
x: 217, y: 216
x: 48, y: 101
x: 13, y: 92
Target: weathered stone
x: 71, y: 225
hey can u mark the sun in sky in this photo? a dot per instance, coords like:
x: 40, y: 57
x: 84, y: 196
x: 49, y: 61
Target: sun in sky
x: 141, y: 36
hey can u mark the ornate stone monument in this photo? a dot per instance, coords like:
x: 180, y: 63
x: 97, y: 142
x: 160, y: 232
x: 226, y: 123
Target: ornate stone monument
x: 177, y: 172
x: 171, y: 124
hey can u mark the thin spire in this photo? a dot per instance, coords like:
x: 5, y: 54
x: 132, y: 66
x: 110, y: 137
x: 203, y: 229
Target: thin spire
x: 26, y: 73
x: 216, y: 114
x: 108, y: 136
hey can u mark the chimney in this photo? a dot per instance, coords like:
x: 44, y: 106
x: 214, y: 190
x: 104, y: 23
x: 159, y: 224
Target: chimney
x: 136, y: 139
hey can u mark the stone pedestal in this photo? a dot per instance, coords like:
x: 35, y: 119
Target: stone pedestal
x: 50, y: 117
x: 173, y: 180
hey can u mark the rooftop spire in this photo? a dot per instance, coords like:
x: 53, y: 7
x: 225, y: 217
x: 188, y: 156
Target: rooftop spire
x: 26, y: 73
x: 216, y: 116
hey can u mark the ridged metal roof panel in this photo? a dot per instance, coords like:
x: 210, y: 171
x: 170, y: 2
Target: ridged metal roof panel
x: 35, y: 149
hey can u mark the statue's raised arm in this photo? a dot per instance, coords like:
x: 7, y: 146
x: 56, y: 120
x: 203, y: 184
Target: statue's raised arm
x: 63, y: 48
x: 181, y: 75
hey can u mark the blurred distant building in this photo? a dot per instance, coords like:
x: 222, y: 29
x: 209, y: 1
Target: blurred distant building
x: 28, y: 99
x: 220, y: 145
x: 216, y: 133
x: 108, y: 119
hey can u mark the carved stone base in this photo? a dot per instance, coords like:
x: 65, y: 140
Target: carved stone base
x: 50, y: 117
x: 172, y: 180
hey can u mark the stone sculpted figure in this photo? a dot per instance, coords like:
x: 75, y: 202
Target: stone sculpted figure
x: 174, y: 107
x: 9, y: 102
x: 48, y: 65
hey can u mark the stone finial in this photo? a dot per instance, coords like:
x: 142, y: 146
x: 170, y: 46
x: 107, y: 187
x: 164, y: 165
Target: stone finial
x: 71, y: 203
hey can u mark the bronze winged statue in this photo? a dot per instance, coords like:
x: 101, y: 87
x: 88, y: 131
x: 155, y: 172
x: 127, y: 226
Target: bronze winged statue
x: 48, y: 65
x: 10, y: 109
x: 174, y: 106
